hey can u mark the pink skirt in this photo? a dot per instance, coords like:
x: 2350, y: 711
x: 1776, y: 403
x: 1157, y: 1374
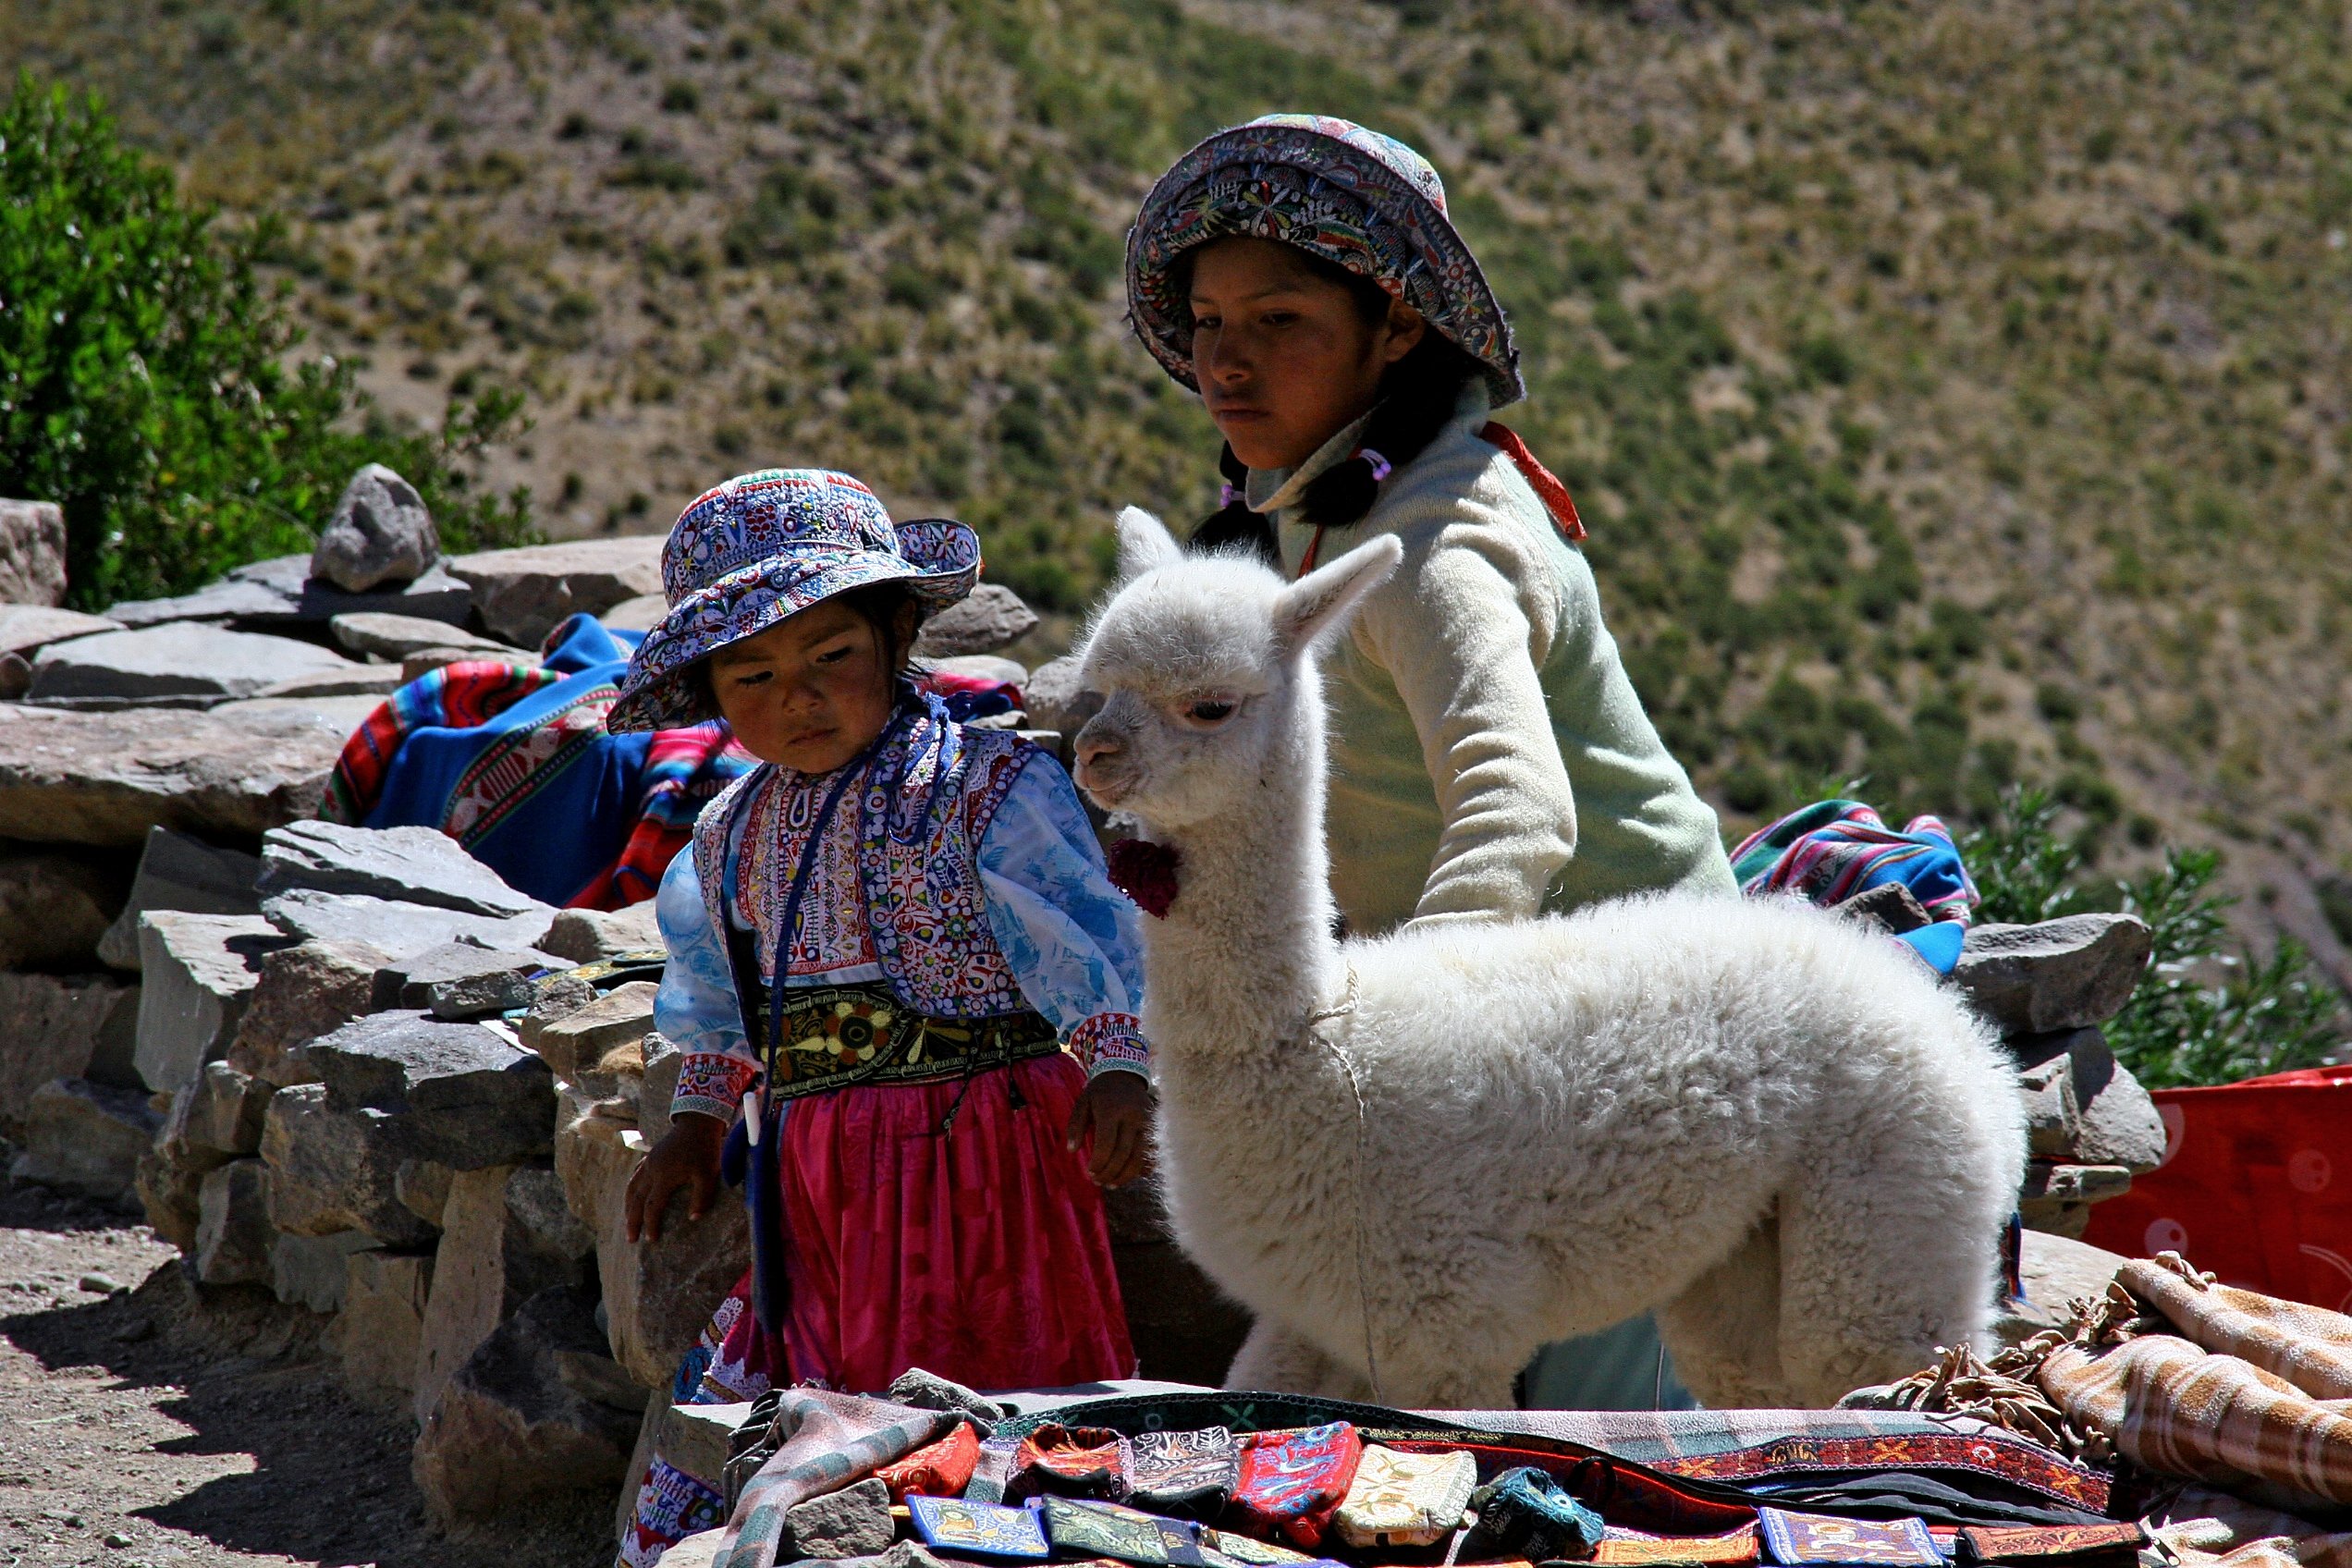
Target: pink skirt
x: 971, y: 1244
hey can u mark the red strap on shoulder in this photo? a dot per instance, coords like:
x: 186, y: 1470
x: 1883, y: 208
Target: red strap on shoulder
x: 1545, y: 484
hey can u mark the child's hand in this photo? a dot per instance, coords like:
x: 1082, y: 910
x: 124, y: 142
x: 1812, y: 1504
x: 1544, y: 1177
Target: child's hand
x: 1116, y: 1111
x: 686, y: 1157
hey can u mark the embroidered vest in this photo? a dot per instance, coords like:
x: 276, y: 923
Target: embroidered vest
x: 918, y: 871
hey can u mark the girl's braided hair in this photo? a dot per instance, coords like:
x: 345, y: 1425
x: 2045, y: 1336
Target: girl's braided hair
x: 1418, y: 395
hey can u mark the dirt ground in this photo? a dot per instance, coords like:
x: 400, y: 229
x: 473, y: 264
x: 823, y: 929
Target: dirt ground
x: 151, y: 1426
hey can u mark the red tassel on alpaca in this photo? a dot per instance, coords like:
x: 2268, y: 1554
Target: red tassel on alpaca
x: 1146, y: 872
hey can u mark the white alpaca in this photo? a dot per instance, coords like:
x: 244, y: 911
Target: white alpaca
x: 1758, y: 1120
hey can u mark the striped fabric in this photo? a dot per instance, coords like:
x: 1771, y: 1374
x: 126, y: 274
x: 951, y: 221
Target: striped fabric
x: 2180, y: 1403
x: 828, y: 1442
x: 2206, y: 1529
x: 1832, y: 849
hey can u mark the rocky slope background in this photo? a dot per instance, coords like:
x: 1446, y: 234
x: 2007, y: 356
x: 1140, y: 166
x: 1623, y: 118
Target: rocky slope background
x: 1955, y: 391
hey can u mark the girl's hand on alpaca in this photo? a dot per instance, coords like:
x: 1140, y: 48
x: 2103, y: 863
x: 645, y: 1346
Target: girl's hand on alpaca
x: 687, y: 1159
x: 1116, y: 1112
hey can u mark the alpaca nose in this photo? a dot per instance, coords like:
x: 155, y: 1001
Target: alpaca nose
x: 1093, y: 747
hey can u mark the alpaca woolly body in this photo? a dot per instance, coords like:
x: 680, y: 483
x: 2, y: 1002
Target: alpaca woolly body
x: 1762, y: 1122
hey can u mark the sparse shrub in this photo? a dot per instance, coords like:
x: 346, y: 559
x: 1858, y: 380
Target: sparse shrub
x: 680, y: 98
x: 145, y: 384
x: 2208, y: 1012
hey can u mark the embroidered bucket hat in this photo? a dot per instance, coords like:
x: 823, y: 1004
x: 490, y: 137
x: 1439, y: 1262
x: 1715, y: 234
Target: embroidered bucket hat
x: 1351, y: 196
x: 767, y: 545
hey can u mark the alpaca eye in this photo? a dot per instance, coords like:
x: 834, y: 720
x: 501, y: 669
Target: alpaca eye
x: 1211, y: 712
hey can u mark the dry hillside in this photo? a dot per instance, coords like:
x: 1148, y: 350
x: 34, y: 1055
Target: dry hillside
x: 1956, y: 392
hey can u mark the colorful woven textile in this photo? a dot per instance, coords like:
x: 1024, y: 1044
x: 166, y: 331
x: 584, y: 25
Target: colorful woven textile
x: 1070, y: 1461
x: 2204, y: 1527
x: 1293, y: 1482
x: 2309, y: 1346
x: 1795, y: 1540
x: 519, y: 767
x: 2176, y: 1408
x: 1190, y: 1475
x: 942, y: 1470
x: 766, y: 546
x: 986, y: 1529
x: 1834, y: 850
x: 2052, y: 1546
x: 1405, y: 1500
x: 1351, y: 196
x: 1633, y: 1549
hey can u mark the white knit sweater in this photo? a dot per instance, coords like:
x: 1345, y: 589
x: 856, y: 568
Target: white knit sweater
x: 1489, y: 754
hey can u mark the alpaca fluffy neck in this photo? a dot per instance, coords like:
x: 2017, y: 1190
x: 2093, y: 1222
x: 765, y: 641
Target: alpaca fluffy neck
x: 1246, y: 951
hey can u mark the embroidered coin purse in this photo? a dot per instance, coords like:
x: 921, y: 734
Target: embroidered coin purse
x: 940, y: 1469
x: 948, y: 1523
x: 1293, y: 1482
x: 1188, y: 1475
x: 1089, y: 1461
x: 1797, y: 1541
x: 1405, y: 1498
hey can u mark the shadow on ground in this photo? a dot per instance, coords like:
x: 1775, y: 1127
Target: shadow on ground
x: 329, y: 1481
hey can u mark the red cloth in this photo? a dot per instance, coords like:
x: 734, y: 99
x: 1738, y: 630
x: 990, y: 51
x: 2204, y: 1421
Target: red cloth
x: 2256, y: 1186
x: 982, y: 1256
x: 942, y: 1470
x: 1293, y: 1482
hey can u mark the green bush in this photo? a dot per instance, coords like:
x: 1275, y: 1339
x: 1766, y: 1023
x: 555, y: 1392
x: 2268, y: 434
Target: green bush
x: 144, y: 382
x: 2204, y: 1014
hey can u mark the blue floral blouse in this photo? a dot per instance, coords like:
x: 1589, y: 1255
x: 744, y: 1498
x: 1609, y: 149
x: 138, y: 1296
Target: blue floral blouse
x: 1072, y: 939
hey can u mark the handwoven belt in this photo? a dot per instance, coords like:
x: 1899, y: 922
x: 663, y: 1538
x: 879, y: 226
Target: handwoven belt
x: 838, y: 1036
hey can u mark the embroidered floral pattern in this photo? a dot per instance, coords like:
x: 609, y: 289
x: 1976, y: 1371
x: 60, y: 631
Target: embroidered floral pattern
x: 764, y: 546
x: 1331, y: 188
x: 1111, y: 1042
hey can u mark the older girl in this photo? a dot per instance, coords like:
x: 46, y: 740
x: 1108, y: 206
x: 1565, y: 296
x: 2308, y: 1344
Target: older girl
x: 1489, y: 757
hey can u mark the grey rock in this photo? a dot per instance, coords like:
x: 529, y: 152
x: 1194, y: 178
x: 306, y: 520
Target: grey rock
x: 902, y: 1554
x: 2064, y: 974
x: 2120, y: 1125
x: 197, y: 975
x: 982, y: 666
x: 16, y: 677
x: 108, y: 778
x: 398, y: 930
x: 543, y: 1224
x: 659, y: 1085
x: 452, y: 1093
x: 394, y: 637
x: 55, y: 907
x: 377, y: 680
x: 27, y: 629
x: 587, y: 936
x: 459, y: 981
x: 2053, y: 1118
x: 64, y: 1027
x: 640, y: 614
x: 1054, y: 699
x: 927, y: 1390
x: 991, y: 617
x: 333, y: 1171
x: 225, y: 1111
x: 2058, y: 1197
x: 579, y: 1042
x: 184, y: 664
x: 304, y: 991
x: 380, y: 534
x: 85, y: 1138
x: 495, y: 1252
x: 233, y: 1235
x: 508, y: 1431
x: 179, y: 873
x: 281, y: 593
x: 598, y: 1376
x: 32, y: 553
x: 522, y: 595
x: 422, y: 1188
x: 416, y: 865
x: 1890, y: 906
x: 2109, y: 1119
x: 314, y: 1270
x: 696, y: 1438
x: 853, y: 1522
x: 384, y: 1303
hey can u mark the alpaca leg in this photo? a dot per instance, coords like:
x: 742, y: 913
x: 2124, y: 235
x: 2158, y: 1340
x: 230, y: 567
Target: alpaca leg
x: 1725, y: 1330
x: 1879, y: 1268
x: 1274, y: 1360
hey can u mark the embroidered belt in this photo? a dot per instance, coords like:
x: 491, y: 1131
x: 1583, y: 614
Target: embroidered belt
x: 838, y: 1036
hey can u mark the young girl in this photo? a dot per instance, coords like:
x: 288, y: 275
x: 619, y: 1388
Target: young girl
x: 1489, y: 758
x: 897, y: 969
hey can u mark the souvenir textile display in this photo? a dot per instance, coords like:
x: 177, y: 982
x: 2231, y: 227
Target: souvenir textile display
x: 2041, y: 1546
x: 944, y: 1469
x: 1633, y: 1549
x: 986, y: 1528
x: 1083, y: 1462
x: 1405, y: 1500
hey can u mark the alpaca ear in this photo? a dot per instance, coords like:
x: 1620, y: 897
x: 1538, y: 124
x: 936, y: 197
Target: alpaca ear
x: 1145, y: 544
x: 1317, y: 602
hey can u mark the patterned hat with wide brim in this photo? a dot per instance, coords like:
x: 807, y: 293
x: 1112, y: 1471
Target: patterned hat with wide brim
x: 767, y: 545
x: 1354, y: 197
